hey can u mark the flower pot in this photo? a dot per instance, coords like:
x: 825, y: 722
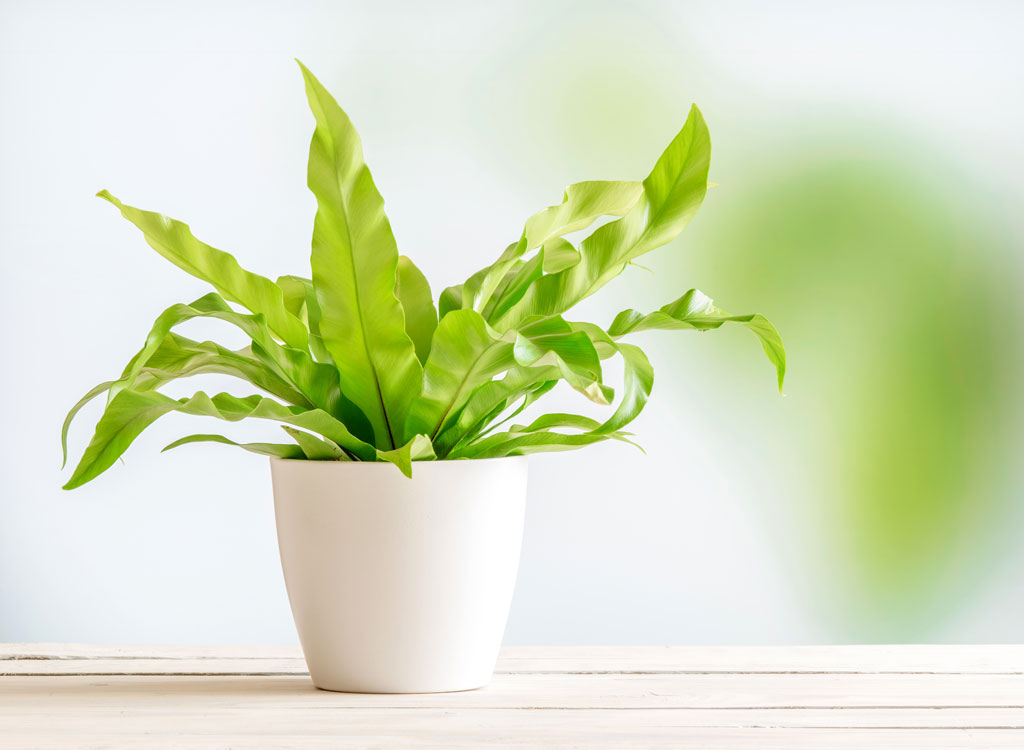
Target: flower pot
x: 400, y: 585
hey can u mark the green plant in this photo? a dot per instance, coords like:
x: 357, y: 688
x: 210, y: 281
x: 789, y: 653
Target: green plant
x: 356, y: 361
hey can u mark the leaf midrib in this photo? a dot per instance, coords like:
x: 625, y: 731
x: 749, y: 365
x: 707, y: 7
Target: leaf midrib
x: 351, y: 260
x: 462, y: 385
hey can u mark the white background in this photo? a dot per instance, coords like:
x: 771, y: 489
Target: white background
x: 197, y: 110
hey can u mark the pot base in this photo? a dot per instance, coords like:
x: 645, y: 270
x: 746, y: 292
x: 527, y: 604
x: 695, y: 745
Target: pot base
x: 347, y: 688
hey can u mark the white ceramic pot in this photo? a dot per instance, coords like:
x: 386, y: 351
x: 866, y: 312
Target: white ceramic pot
x: 400, y: 585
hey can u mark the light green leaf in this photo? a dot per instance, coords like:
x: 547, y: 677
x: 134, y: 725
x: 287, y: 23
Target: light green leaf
x: 316, y: 382
x: 672, y: 193
x: 696, y: 311
x: 451, y: 299
x: 517, y: 280
x: 277, y: 450
x: 355, y: 261
x: 466, y: 352
x: 491, y: 399
x: 173, y: 240
x: 582, y: 204
x: 638, y: 375
x: 418, y: 448
x: 300, y: 299
x: 552, y: 341
x: 179, y: 357
x: 349, y: 413
x: 413, y: 291
x: 130, y: 412
x: 638, y: 380
x: 314, y: 448
x: 93, y: 393
x: 519, y: 444
x: 559, y: 254
x: 557, y: 420
x: 294, y: 290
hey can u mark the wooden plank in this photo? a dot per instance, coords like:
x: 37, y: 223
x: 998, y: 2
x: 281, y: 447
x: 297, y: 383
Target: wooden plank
x: 594, y: 735
x: 581, y: 697
x: 18, y: 651
x: 567, y: 691
x: 64, y: 658
x: 985, y: 659
x: 151, y: 666
x: 130, y: 719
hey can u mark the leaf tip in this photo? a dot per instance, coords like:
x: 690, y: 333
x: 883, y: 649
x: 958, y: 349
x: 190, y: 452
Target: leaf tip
x: 106, y: 195
x: 175, y: 444
x: 307, y: 74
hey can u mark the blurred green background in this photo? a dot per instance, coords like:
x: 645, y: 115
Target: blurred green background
x: 878, y: 237
x: 868, y: 174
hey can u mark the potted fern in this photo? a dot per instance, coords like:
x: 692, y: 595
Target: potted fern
x: 400, y: 484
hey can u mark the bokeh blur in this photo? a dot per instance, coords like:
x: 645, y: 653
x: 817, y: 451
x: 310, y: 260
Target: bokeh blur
x: 868, y: 174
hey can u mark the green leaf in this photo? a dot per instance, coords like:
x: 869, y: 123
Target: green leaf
x: 552, y: 341
x: 559, y: 254
x: 93, y: 393
x: 696, y: 311
x: 350, y: 414
x: 557, y: 420
x: 131, y: 411
x: 638, y: 380
x: 466, y: 353
x: 316, y: 383
x: 672, y: 193
x: 277, y: 450
x: 517, y: 280
x: 300, y: 299
x: 418, y: 448
x: 582, y: 204
x: 179, y: 357
x: 490, y: 399
x: 451, y: 299
x: 413, y: 292
x: 294, y: 290
x: 314, y: 448
x: 355, y: 261
x: 519, y: 444
x: 638, y: 377
x: 173, y: 240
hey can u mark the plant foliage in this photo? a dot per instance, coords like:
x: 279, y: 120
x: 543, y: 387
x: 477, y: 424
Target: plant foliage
x: 357, y: 364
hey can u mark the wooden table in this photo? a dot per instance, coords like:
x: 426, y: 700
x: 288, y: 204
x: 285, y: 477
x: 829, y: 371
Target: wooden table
x: 74, y: 696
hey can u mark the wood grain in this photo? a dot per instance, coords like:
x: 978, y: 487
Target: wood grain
x: 55, y: 695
